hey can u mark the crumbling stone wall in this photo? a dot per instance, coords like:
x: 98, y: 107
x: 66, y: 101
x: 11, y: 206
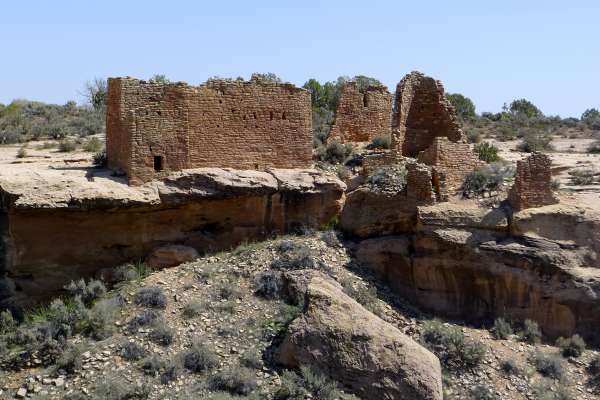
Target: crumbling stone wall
x: 533, y: 183
x: 374, y: 161
x: 361, y: 116
x: 155, y: 128
x: 454, y: 160
x: 419, y: 181
x: 422, y: 113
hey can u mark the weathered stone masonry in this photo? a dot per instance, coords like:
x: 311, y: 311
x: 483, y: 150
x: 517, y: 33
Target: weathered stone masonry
x: 422, y: 113
x: 533, y: 183
x: 155, y: 128
x: 361, y: 116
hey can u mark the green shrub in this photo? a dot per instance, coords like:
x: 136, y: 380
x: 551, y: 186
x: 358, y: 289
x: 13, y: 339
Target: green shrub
x: 549, y: 365
x: 152, y: 365
x: 543, y: 391
x: 301, y: 257
x: 268, y: 284
x: 70, y: 360
x: 67, y: 146
x: 22, y: 153
x: 7, y: 323
x: 510, y: 367
x: 335, y: 152
x: 594, y: 147
x: 100, y: 160
x: 131, y: 351
x: 486, y: 179
x: 193, y: 309
x: 473, y: 136
x: 199, y: 358
x: 501, y: 329
x: 482, y: 392
x: 582, y: 176
x: 117, y: 388
x: 234, y: 379
x: 451, y: 346
x: 99, y: 323
x: 161, y: 333
x: 366, y: 295
x: 531, y: 332
x: 487, y: 152
x: 380, y: 142
x: 87, y: 292
x: 251, y: 359
x: 228, y: 290
x: 93, y: 145
x: 152, y: 297
x: 571, y: 347
x: 535, y: 142
x: 307, y: 384
x: 145, y: 318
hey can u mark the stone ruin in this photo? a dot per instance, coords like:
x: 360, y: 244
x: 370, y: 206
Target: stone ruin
x: 360, y: 116
x: 533, y: 183
x: 155, y: 128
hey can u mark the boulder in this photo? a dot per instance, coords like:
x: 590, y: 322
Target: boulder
x: 453, y: 215
x: 369, y: 356
x: 170, y: 256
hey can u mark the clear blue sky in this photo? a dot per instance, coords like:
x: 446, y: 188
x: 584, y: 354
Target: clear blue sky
x: 491, y: 51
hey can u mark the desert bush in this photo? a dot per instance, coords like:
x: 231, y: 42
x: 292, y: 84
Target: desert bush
x: 117, y: 388
x: 330, y: 238
x: 501, y: 329
x: 92, y: 145
x: 100, y: 160
x: 531, y: 332
x: 228, y: 290
x: 7, y: 322
x: 535, y: 142
x: 193, y: 309
x: 87, y: 292
x: 152, y: 365
x: 268, y: 284
x: 582, y: 176
x: 334, y: 152
x: 463, y: 106
x: 171, y: 370
x: 482, y: 392
x: 99, y: 322
x: 571, y: 347
x: 473, y: 136
x: 251, y: 359
x: 145, y: 318
x: 161, y: 333
x: 543, y: 391
x: 234, y: 379
x: 278, y: 324
x: 486, y: 179
x: 307, y: 384
x: 366, y: 295
x: 285, y: 245
x: 549, y: 365
x: 70, y: 360
x: 131, y: 351
x: 487, y: 152
x: 380, y: 142
x: 451, y: 346
x: 199, y: 358
x: 67, y: 146
x: 594, y: 147
x: 300, y: 258
x: 152, y: 297
x: 510, y: 367
x: 22, y: 153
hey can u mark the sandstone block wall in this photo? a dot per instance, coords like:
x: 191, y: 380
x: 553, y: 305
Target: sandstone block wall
x: 155, y: 128
x: 419, y: 183
x: 422, y: 113
x: 454, y: 160
x: 359, y: 117
x: 374, y: 161
x: 533, y: 183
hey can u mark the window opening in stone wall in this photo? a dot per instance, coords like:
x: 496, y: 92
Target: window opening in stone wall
x: 283, y: 115
x: 158, y: 163
x: 271, y: 115
x: 365, y: 100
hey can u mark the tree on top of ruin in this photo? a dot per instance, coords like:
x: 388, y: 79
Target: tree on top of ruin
x: 365, y: 82
x: 463, y: 105
x: 160, y: 78
x: 268, y: 77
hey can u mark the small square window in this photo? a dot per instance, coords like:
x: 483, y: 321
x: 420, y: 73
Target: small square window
x: 158, y: 163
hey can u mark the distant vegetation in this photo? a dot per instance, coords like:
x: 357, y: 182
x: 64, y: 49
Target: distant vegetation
x: 522, y: 120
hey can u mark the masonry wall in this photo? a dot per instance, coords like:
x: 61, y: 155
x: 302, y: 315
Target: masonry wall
x: 533, y: 183
x: 422, y: 113
x: 360, y: 117
x: 454, y: 160
x: 154, y: 129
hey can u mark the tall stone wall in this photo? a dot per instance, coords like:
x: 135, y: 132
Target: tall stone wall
x: 454, y: 160
x: 419, y: 185
x: 359, y: 117
x: 422, y: 113
x: 155, y: 128
x: 533, y: 183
